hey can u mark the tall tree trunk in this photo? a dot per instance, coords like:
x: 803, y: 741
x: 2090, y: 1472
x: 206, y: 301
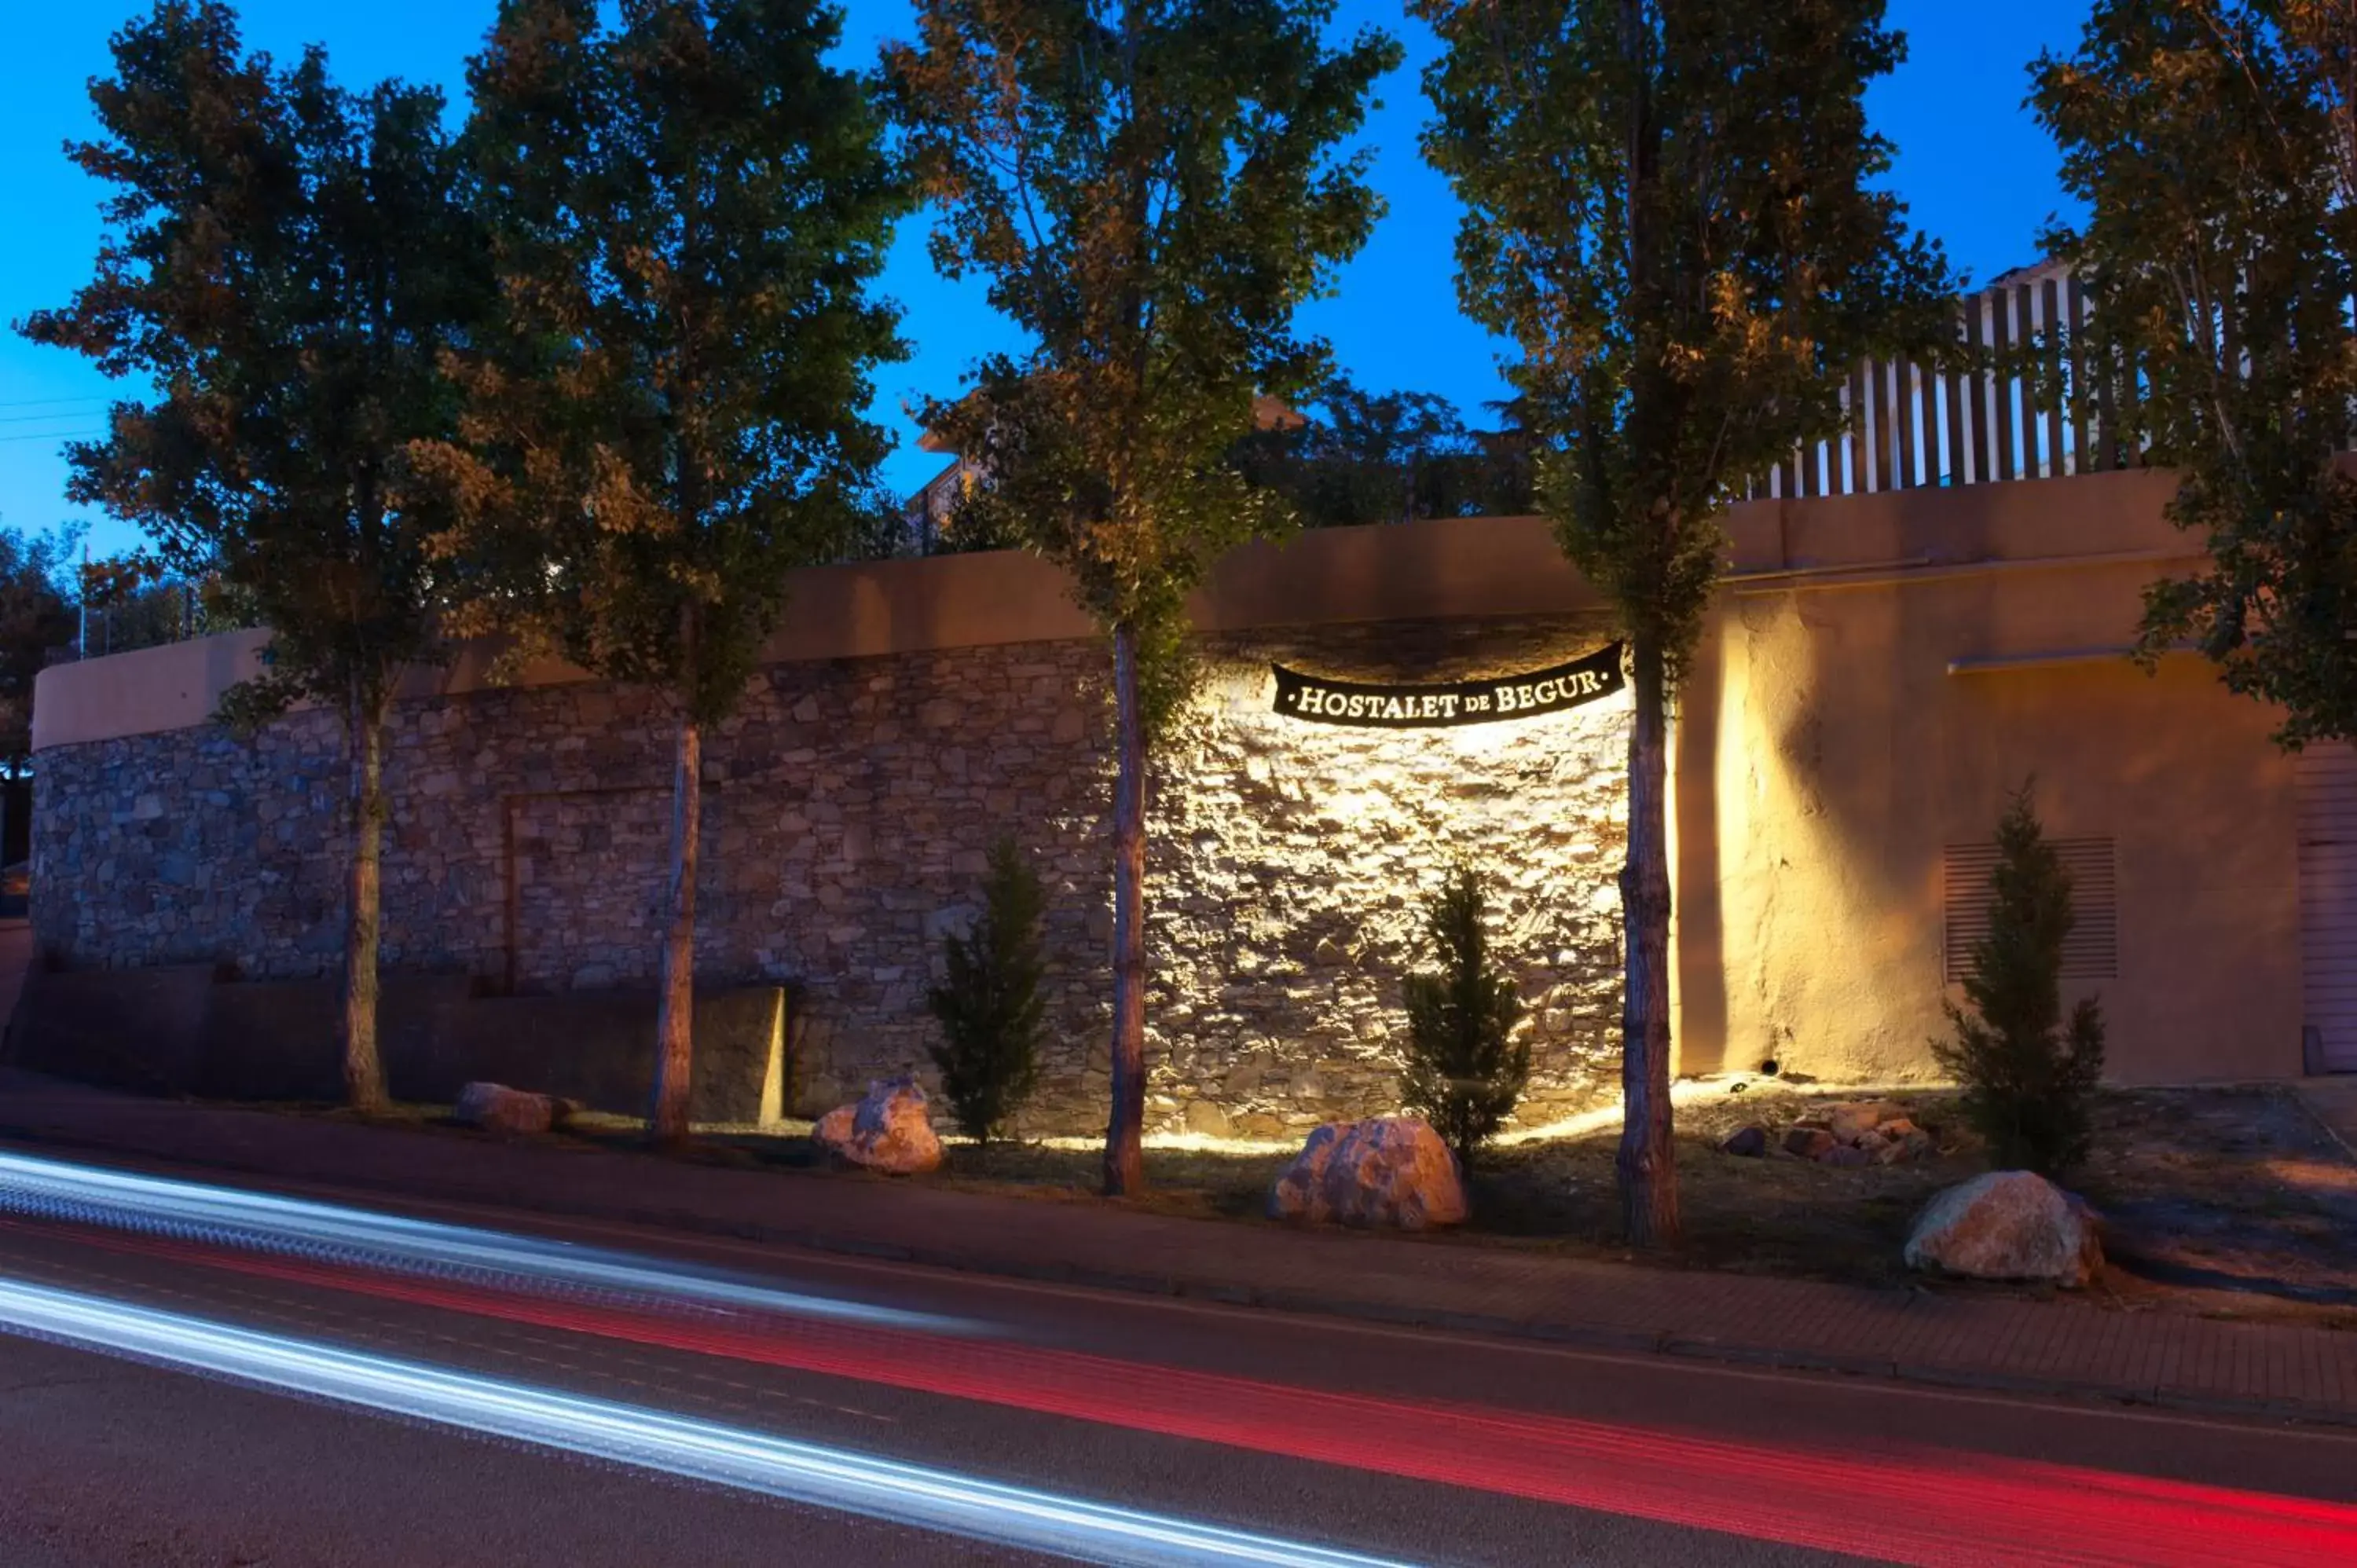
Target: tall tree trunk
x: 1125, y: 1155
x: 1648, y: 1160
x: 676, y: 1017
x: 363, y: 903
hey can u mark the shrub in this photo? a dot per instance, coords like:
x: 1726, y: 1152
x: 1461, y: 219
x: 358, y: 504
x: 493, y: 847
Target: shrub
x: 2028, y: 1077
x: 1464, y: 1073
x: 988, y: 1003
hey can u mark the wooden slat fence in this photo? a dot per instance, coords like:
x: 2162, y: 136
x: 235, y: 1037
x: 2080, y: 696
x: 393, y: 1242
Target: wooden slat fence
x: 2029, y: 403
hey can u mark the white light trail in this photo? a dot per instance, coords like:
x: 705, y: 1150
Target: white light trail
x: 160, y: 1206
x: 650, y: 1439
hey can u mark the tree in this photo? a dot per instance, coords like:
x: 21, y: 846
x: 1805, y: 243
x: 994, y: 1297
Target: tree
x: 2028, y: 1077
x: 2214, y: 144
x: 287, y: 261
x: 37, y: 616
x: 1672, y: 215
x: 1374, y: 457
x: 988, y: 1003
x: 1465, y: 1069
x: 138, y: 600
x: 686, y: 210
x: 1151, y: 190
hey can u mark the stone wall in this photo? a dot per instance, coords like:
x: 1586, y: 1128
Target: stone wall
x: 849, y: 806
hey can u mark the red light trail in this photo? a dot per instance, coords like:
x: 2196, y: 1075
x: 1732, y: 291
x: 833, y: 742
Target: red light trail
x: 1926, y: 1507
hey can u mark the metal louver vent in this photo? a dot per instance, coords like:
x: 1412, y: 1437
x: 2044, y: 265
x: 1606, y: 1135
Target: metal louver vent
x: 2091, y: 952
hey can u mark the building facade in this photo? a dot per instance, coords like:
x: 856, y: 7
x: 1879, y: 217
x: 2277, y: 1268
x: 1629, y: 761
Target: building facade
x: 1880, y: 670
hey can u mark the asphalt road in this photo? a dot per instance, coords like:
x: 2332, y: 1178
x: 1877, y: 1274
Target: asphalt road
x: 1401, y: 1444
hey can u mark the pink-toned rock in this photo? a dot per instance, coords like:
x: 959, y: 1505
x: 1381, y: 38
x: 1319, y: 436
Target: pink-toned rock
x: 496, y: 1108
x: 2007, y: 1225
x: 1849, y: 1122
x: 1385, y: 1171
x: 1808, y: 1142
x: 887, y: 1130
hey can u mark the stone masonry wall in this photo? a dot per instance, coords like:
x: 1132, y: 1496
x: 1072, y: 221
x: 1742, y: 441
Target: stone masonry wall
x: 848, y: 810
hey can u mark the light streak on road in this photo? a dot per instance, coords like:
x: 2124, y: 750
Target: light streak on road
x: 159, y: 1206
x: 1928, y: 1506
x: 649, y: 1439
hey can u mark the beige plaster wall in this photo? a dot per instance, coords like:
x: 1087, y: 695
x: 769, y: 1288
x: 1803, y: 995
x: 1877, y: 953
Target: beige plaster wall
x: 1437, y: 570
x: 1848, y: 722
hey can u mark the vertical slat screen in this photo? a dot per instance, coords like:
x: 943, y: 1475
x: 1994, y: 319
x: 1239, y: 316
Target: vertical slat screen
x: 2029, y: 397
x: 2074, y: 313
x: 2092, y: 950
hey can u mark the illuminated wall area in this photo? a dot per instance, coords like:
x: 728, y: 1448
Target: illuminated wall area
x: 1878, y: 672
x: 849, y: 807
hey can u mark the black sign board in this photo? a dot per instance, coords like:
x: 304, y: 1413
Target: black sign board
x: 1521, y: 696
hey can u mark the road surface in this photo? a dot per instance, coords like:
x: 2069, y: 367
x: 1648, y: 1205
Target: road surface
x: 188, y: 1377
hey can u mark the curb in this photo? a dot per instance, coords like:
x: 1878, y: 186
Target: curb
x: 1591, y: 1337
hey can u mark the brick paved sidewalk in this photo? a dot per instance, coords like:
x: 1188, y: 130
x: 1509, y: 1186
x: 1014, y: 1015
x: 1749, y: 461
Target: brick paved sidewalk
x: 1958, y: 1339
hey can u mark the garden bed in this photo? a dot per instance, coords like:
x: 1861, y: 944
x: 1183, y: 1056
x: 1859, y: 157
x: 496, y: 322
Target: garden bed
x: 2228, y: 1201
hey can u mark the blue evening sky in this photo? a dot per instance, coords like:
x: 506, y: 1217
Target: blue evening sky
x: 1977, y: 172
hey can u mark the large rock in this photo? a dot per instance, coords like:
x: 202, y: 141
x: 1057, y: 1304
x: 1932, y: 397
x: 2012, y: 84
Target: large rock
x: 2007, y: 1225
x: 1747, y: 1143
x: 887, y: 1130
x: 496, y: 1108
x: 1385, y: 1171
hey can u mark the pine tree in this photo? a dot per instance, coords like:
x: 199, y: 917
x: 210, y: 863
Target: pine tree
x: 1675, y: 212
x: 1465, y: 1069
x: 1152, y: 188
x: 2028, y: 1077
x: 989, y: 1003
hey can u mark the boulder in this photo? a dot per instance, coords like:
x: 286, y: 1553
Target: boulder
x: 1852, y: 1121
x: 1845, y: 1156
x: 496, y: 1108
x: 1749, y: 1143
x: 887, y: 1130
x: 2007, y: 1225
x: 1808, y: 1142
x: 1385, y: 1171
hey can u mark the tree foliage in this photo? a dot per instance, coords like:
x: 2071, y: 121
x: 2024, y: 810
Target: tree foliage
x: 2027, y: 1075
x: 37, y: 616
x: 138, y: 599
x: 1149, y: 190
x: 988, y: 1003
x: 1465, y: 1068
x: 2213, y: 145
x: 686, y: 209
x: 1372, y: 457
x: 1674, y: 214
x: 284, y: 262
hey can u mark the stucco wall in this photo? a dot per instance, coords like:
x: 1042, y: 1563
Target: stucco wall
x: 849, y: 806
x: 1882, y: 672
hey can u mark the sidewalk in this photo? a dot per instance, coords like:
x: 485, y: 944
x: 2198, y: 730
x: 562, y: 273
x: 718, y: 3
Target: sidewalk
x: 1956, y: 1339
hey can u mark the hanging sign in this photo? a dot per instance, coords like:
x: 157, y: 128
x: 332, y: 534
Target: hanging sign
x: 1521, y: 696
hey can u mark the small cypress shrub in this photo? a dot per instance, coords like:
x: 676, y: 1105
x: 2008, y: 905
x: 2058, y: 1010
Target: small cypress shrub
x: 2028, y: 1077
x: 988, y: 1003
x: 1464, y: 1072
